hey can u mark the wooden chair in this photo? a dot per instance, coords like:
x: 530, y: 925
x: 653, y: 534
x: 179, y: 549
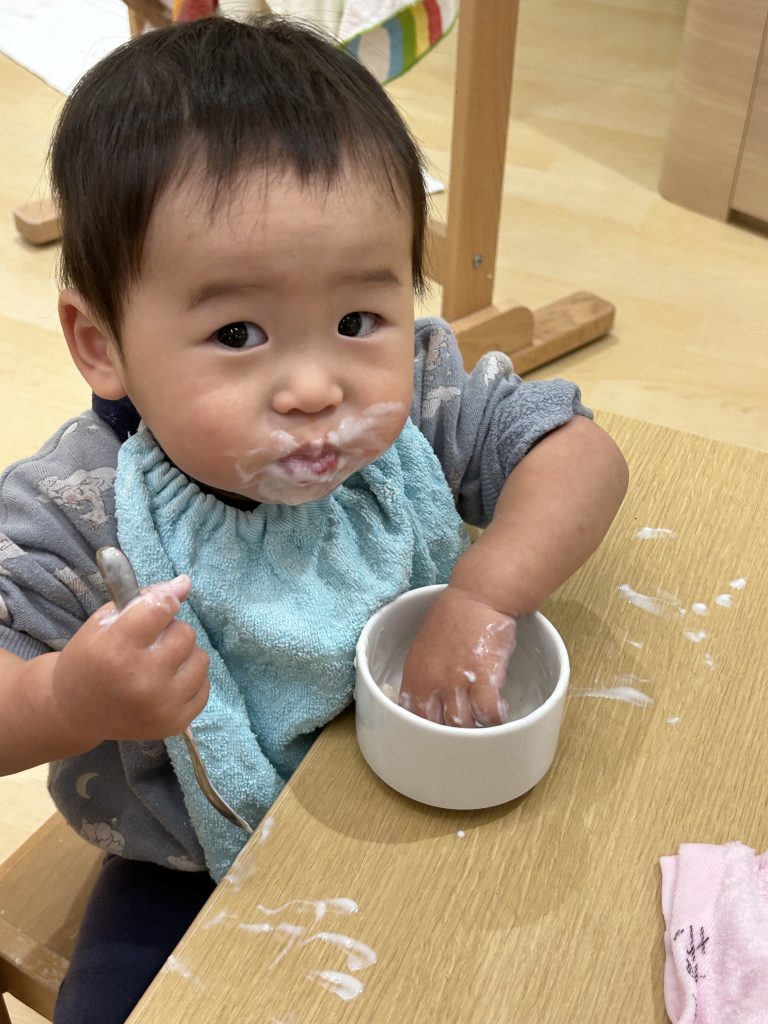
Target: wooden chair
x: 43, y: 889
x: 463, y: 250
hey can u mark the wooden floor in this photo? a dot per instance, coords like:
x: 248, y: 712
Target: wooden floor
x: 581, y: 210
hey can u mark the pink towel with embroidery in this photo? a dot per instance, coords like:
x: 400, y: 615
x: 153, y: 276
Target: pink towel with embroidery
x: 715, y: 904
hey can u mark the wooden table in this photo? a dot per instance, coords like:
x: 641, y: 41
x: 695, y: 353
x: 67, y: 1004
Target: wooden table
x: 546, y: 909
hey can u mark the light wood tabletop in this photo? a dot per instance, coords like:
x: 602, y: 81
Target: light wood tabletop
x: 547, y: 908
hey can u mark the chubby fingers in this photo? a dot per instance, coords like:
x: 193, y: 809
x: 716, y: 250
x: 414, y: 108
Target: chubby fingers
x: 488, y: 705
x: 430, y: 707
x: 445, y: 707
x: 193, y: 687
x: 465, y: 707
x: 457, y: 708
x: 148, y: 615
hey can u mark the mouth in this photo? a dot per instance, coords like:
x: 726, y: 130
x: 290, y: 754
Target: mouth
x: 311, y: 463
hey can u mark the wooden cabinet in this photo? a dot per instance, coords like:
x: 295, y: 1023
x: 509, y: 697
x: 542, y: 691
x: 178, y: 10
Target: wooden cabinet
x: 716, y: 157
x: 751, y: 193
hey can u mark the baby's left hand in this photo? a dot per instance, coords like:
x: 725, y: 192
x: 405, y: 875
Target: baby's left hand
x: 457, y: 664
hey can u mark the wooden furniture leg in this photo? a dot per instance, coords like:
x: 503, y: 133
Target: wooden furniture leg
x: 144, y: 14
x: 44, y: 886
x: 463, y: 251
x: 38, y: 221
x: 4, y: 1018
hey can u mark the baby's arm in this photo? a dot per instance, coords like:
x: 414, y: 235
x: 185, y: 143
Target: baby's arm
x: 137, y: 675
x: 552, y: 513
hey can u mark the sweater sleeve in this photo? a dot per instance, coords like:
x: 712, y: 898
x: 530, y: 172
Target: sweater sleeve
x: 56, y: 509
x: 481, y: 424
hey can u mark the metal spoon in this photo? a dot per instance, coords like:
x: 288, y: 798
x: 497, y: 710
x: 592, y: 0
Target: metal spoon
x: 120, y: 579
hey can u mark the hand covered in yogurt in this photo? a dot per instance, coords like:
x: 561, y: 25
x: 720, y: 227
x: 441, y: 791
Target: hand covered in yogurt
x: 137, y: 674
x: 457, y: 664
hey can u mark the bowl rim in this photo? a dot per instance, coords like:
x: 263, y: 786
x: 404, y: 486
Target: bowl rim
x: 469, y: 735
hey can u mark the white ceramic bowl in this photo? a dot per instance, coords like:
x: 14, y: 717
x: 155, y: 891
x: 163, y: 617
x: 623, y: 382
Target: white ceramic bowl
x: 450, y: 767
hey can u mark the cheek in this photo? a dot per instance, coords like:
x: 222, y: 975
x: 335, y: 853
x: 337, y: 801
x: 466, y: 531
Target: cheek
x: 370, y: 432
x: 204, y: 404
x: 197, y: 437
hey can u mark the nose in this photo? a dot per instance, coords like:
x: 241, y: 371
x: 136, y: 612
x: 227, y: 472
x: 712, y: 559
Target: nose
x: 308, y: 388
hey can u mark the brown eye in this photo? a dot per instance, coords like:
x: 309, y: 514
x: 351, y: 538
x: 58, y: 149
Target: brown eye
x: 357, y: 325
x: 242, y: 334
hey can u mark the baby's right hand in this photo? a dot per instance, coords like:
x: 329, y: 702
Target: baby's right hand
x: 133, y: 675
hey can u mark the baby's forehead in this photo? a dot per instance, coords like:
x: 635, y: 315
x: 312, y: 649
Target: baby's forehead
x: 260, y: 202
x: 216, y: 196
x: 265, y: 224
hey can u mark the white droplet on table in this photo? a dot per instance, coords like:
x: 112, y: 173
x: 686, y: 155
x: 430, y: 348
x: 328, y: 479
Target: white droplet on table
x: 695, y: 635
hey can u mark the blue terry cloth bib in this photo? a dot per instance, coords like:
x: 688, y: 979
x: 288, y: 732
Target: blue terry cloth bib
x: 280, y: 595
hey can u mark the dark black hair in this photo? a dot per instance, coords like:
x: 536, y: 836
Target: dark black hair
x: 269, y: 93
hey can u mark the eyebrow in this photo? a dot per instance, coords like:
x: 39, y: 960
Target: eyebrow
x: 382, y: 277
x: 215, y: 289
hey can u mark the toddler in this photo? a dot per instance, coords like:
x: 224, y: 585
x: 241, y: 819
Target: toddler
x: 278, y: 451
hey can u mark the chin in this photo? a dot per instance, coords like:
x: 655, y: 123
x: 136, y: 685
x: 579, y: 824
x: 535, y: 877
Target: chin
x: 296, y: 497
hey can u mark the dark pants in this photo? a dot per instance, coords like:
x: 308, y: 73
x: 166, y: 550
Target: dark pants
x: 135, y: 916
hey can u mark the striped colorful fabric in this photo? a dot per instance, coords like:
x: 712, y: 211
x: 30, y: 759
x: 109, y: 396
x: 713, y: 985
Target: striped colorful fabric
x: 387, y: 49
x: 394, y: 46
x: 190, y: 10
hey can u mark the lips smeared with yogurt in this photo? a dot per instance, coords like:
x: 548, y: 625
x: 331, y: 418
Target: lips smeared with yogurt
x: 313, y: 462
x: 291, y: 471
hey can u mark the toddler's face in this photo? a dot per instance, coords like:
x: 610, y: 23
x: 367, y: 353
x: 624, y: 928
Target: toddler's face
x: 269, y: 348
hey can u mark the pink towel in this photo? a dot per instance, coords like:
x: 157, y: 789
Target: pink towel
x: 715, y: 904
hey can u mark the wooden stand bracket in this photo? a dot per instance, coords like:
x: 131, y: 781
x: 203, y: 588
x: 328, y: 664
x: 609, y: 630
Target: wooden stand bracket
x: 38, y: 221
x: 532, y: 339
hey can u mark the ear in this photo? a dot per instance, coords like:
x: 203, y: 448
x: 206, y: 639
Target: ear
x: 92, y: 348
